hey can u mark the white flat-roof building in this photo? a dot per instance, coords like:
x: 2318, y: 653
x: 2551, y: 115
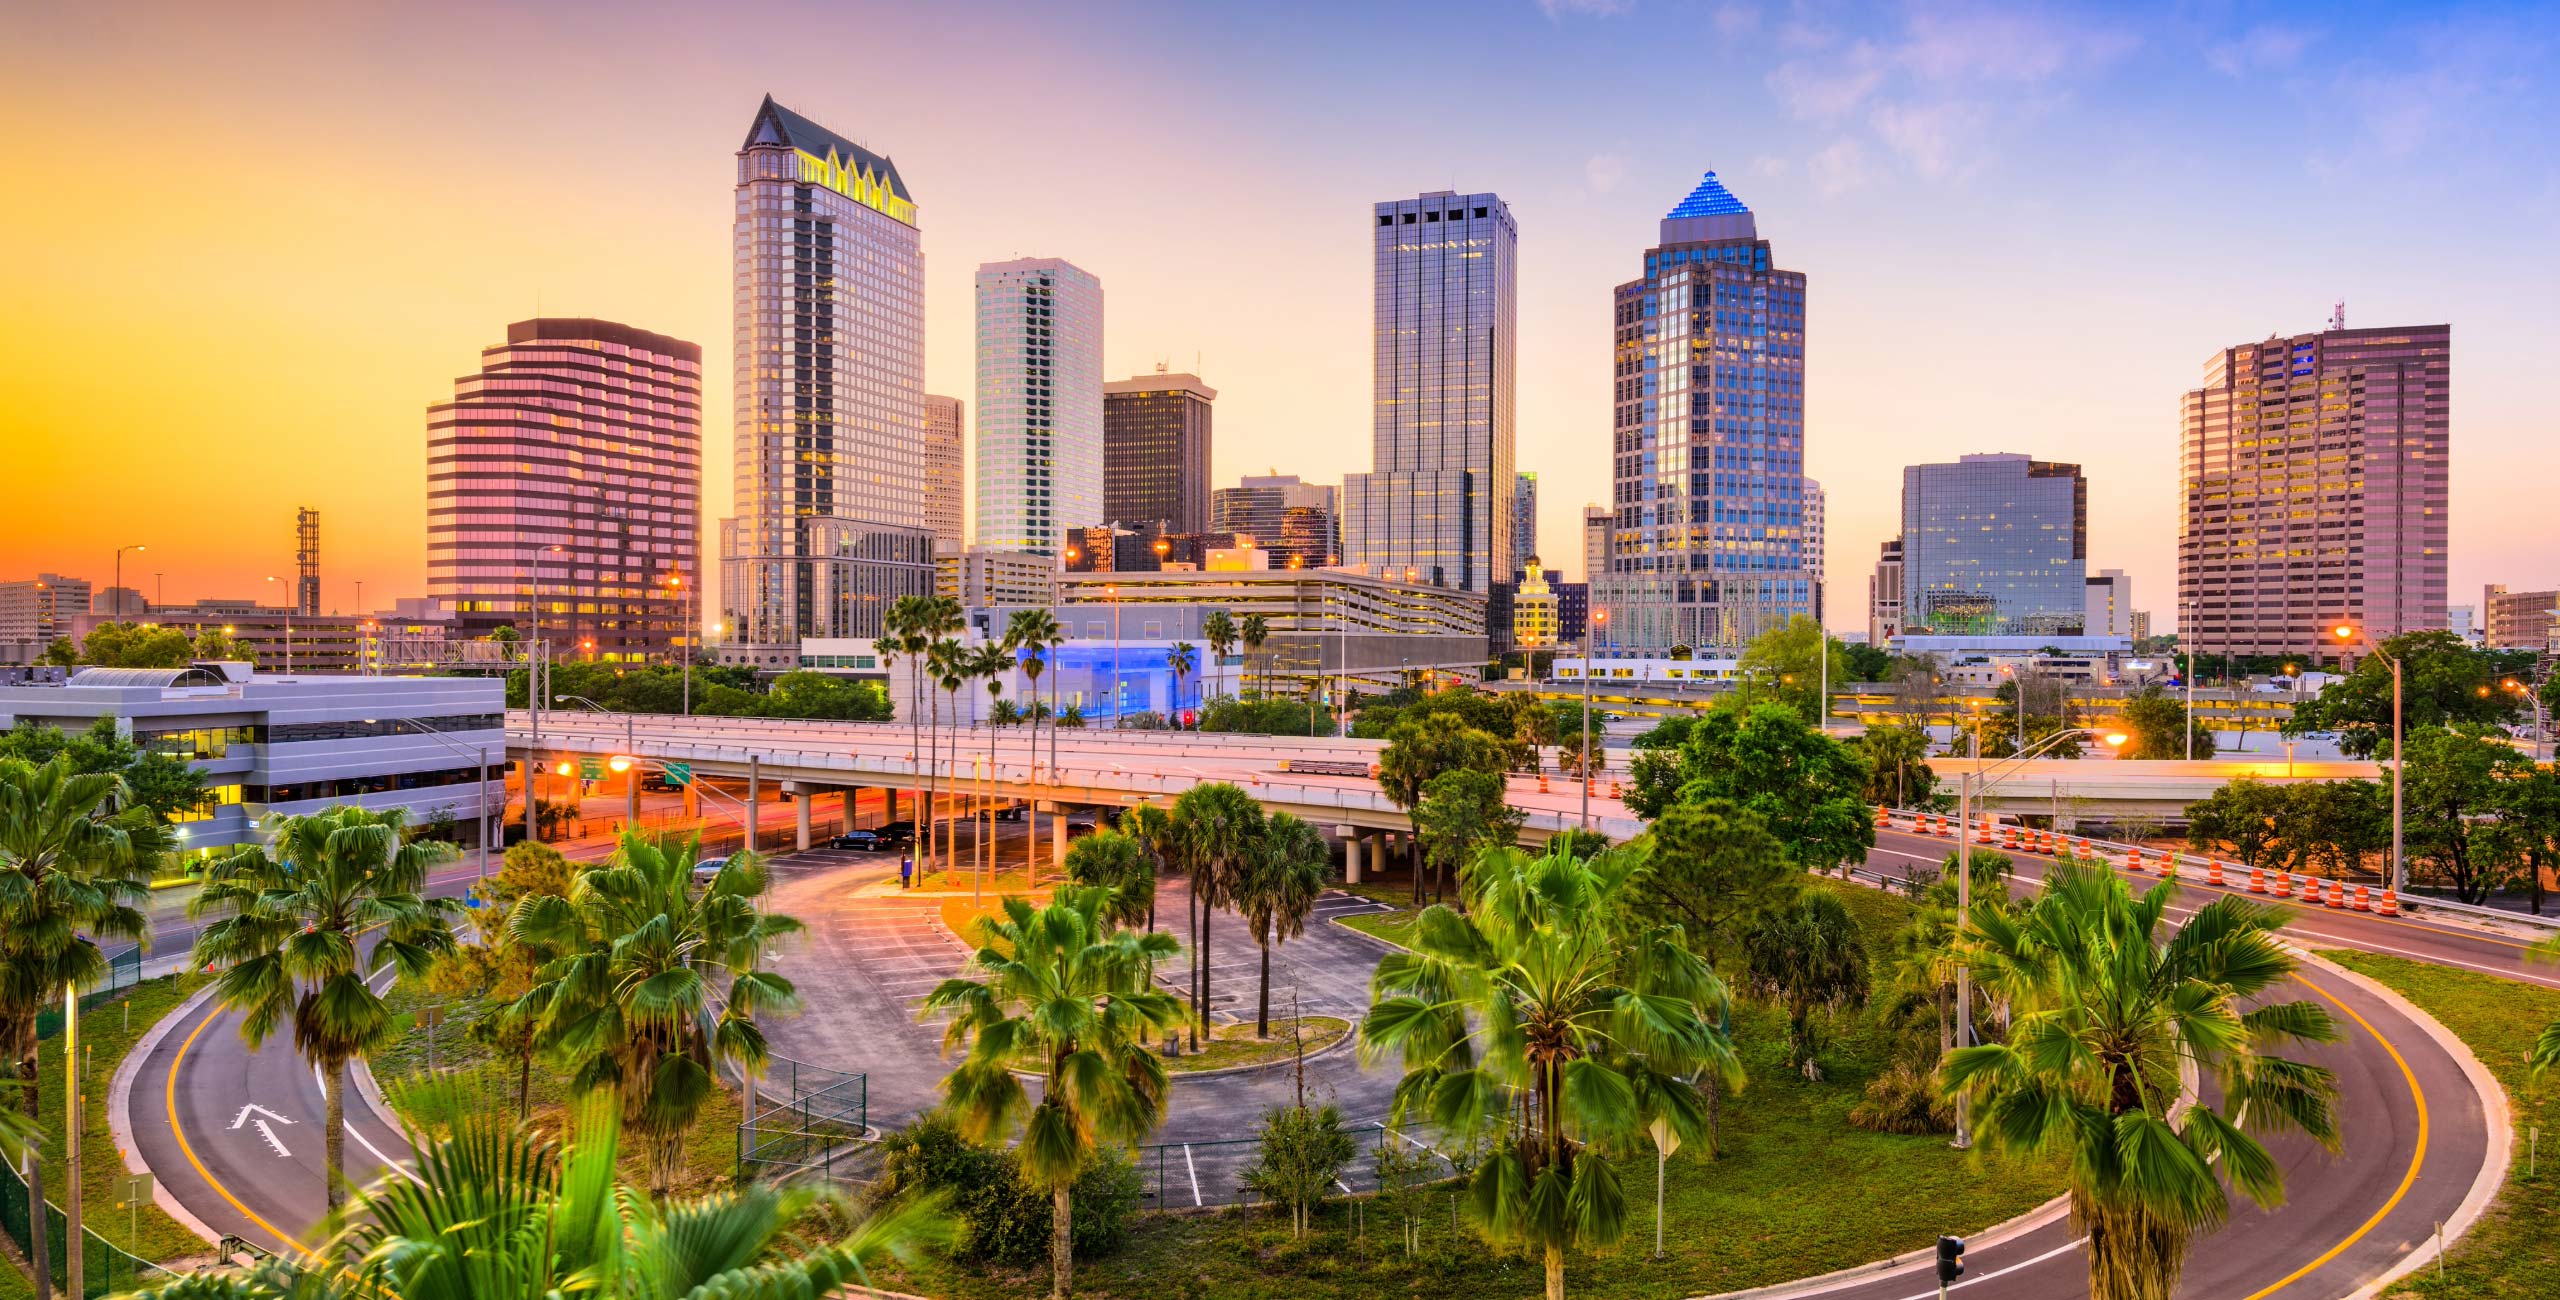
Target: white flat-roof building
x: 274, y: 743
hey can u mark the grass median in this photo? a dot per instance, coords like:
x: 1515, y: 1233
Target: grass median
x: 2511, y: 1251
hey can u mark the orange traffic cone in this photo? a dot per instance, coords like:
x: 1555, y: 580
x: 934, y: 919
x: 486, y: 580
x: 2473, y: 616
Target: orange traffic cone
x: 1542, y: 783
x: 2009, y: 837
x: 2337, y: 895
x: 2390, y: 903
x: 2284, y: 884
x: 2257, y: 881
x: 1615, y: 791
x: 2363, y: 901
x: 1884, y: 819
x: 2044, y: 842
x: 2213, y: 872
x: 2168, y: 866
x: 2133, y: 861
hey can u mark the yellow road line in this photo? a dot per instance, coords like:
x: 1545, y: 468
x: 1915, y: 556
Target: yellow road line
x: 189, y: 1150
x: 2407, y: 1180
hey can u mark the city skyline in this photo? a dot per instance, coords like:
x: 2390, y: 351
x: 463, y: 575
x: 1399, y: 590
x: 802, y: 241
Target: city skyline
x: 1860, y: 135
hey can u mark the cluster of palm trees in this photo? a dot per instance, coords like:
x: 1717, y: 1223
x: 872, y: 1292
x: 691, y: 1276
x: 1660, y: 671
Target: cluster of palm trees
x: 926, y: 632
x: 1224, y: 632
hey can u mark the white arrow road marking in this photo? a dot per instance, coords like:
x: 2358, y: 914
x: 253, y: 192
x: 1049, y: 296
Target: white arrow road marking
x: 270, y: 1135
x: 242, y: 1119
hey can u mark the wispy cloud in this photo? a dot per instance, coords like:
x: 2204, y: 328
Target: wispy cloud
x: 1562, y: 9
x: 1839, y: 168
x: 1736, y: 19
x: 1604, y: 171
x: 2262, y: 48
x: 2458, y: 79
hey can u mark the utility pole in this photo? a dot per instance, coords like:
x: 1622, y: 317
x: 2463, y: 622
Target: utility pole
x: 1964, y: 913
x: 72, y: 1115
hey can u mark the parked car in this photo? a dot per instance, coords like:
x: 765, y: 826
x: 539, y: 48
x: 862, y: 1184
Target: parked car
x: 864, y: 841
x: 704, y: 870
x: 1011, y: 812
x: 1080, y: 828
x: 894, y: 834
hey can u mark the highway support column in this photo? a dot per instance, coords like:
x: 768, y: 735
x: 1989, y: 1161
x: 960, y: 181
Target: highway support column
x: 801, y: 797
x: 1350, y: 853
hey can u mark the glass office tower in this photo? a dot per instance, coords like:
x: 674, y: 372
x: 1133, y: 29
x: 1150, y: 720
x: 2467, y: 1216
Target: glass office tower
x: 1995, y: 545
x: 829, y: 313
x: 1707, y: 543
x: 1155, y: 452
x: 1437, y: 502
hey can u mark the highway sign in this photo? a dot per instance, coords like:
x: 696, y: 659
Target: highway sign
x: 679, y: 773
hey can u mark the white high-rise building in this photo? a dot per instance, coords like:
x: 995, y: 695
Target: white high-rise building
x: 2108, y: 608
x: 829, y: 273
x: 1596, y: 523
x: 1813, y: 542
x: 1039, y: 453
x: 946, y: 470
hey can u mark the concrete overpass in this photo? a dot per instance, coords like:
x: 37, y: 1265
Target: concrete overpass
x: 1093, y: 769
x: 2110, y: 787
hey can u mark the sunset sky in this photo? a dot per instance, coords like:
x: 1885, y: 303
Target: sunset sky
x: 248, y: 244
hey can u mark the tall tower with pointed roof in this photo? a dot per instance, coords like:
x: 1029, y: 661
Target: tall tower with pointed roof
x: 829, y: 311
x: 1709, y: 536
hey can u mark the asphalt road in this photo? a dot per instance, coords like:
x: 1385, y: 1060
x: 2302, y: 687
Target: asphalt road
x: 2414, y: 1140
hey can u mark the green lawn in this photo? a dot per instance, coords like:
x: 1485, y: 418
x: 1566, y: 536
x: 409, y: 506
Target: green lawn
x: 107, y: 1032
x: 2511, y: 1251
x: 489, y: 1081
x: 1747, y: 1218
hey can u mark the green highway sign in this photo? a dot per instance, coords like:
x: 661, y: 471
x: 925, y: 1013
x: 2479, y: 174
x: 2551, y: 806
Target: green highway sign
x: 679, y: 773
x: 591, y: 769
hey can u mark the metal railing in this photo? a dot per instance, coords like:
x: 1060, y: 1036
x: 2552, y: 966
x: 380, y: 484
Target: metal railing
x: 106, y: 1269
x: 809, y: 1122
x: 124, y: 970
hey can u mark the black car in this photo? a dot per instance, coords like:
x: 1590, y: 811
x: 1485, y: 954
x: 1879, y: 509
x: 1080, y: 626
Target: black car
x: 1080, y: 828
x: 864, y: 841
x: 893, y: 834
x: 1011, y: 812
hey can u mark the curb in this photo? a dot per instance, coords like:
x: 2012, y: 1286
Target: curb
x: 2499, y: 1119
x: 120, y: 1114
x: 1177, y: 1076
x: 1997, y: 1234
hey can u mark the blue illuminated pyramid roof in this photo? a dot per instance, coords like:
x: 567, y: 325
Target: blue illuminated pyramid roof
x: 1710, y: 199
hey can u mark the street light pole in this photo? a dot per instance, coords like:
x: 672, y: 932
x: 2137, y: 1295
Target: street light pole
x: 120, y: 573
x: 2399, y: 758
x: 1600, y: 617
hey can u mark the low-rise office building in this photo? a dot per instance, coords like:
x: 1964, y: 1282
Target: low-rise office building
x: 273, y: 743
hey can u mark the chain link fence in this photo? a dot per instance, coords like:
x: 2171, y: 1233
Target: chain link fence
x: 809, y: 1122
x: 106, y: 1269
x: 124, y: 970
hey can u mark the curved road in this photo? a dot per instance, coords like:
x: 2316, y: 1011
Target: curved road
x: 2415, y: 1137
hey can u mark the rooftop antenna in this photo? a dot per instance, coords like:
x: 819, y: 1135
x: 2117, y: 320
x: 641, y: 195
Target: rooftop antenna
x: 2338, y: 315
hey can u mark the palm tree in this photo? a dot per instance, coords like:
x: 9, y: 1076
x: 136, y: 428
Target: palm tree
x: 1035, y: 631
x: 497, y: 1212
x: 992, y: 662
x: 1111, y: 860
x: 1215, y: 828
x: 1548, y: 1021
x: 903, y: 637
x: 1183, y: 658
x: 76, y: 853
x: 628, y: 997
x: 1219, y: 630
x: 1152, y: 827
x: 947, y: 661
x: 1277, y: 890
x: 1253, y: 632
x: 300, y: 911
x: 2109, y: 1010
x: 1064, y: 992
x: 1808, y: 956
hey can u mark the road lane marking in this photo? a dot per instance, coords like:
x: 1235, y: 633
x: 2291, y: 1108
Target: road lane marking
x: 187, y: 1148
x: 2417, y: 1158
x: 378, y: 1153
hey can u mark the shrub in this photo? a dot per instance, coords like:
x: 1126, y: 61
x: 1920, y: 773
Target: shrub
x: 1303, y: 1152
x: 1003, y: 1219
x: 1905, y: 1098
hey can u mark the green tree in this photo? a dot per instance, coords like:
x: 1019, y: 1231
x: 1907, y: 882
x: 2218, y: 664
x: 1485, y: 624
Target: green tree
x: 1182, y: 659
x: 136, y: 645
x: 60, y: 654
x: 626, y: 996
x: 1215, y: 830
x: 1303, y: 1152
x: 1423, y: 748
x: 2339, y: 826
x: 2451, y: 787
x: 496, y: 966
x: 2156, y: 723
x: 2528, y: 804
x: 1059, y: 986
x: 295, y: 916
x: 2243, y: 820
x: 216, y: 644
x: 76, y: 858
x: 497, y: 1212
x: 1110, y: 860
x: 1807, y: 957
x: 1898, y: 771
x: 1276, y: 891
x: 1532, y: 1024
x: 1463, y: 811
x: 2443, y: 681
x: 804, y: 693
x: 1218, y: 628
x: 1807, y: 787
x: 1789, y: 659
x: 162, y: 783
x: 1867, y: 663
x: 1252, y: 633
x: 1713, y: 867
x: 1037, y: 634
x: 2111, y: 1003
x: 1571, y: 759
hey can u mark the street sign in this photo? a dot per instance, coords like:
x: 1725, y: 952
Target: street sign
x: 679, y: 773
x: 134, y: 1189
x: 591, y: 769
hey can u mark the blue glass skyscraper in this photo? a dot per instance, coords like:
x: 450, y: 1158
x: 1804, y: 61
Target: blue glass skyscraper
x: 1708, y: 541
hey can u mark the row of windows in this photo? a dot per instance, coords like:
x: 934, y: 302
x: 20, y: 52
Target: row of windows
x: 358, y: 785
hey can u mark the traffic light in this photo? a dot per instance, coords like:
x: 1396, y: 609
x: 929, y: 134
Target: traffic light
x: 1950, y: 1259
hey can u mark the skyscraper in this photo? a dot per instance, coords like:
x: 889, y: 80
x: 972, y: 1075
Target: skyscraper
x: 2108, y: 609
x: 1596, y: 527
x: 1524, y: 520
x: 1039, y: 403
x: 1707, y: 373
x: 829, y: 314
x: 1884, y: 596
x: 1995, y: 545
x: 2315, y: 480
x: 946, y: 470
x: 568, y: 473
x: 1446, y: 310
x: 1814, y: 542
x: 1291, y: 518
x: 41, y: 608
x: 1155, y: 452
